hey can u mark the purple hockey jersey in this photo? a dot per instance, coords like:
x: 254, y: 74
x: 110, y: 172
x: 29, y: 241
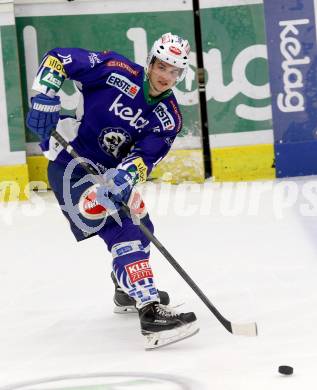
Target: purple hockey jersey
x: 117, y: 122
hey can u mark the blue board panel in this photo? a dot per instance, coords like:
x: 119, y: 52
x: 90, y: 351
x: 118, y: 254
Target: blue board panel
x: 296, y: 159
x: 292, y: 56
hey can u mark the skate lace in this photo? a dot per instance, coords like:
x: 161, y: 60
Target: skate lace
x: 166, y: 311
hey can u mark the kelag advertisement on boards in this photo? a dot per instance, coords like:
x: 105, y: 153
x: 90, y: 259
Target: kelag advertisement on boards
x: 292, y: 55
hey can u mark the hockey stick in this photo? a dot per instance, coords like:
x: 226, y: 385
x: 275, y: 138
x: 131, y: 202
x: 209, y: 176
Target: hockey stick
x: 247, y: 329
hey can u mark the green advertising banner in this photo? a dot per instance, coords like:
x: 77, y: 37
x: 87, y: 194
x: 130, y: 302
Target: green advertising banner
x: 12, y: 140
x: 13, y: 168
x: 237, y: 81
x: 237, y: 89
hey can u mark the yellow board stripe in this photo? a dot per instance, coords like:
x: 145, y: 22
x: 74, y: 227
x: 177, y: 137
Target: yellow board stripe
x: 176, y: 167
x: 14, y: 181
x: 243, y: 163
x: 38, y: 168
x: 179, y: 166
x: 236, y: 163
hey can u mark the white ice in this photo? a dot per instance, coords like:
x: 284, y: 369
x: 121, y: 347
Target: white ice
x: 251, y: 247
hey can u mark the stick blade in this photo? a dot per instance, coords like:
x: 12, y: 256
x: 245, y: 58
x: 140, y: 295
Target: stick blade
x: 249, y: 329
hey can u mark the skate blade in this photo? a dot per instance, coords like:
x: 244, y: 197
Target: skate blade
x: 156, y: 340
x: 125, y: 310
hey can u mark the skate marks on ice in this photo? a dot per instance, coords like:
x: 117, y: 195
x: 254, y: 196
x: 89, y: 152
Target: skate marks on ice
x: 108, y: 381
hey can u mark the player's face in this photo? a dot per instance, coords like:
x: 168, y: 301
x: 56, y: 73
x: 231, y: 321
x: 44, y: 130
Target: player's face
x: 162, y: 77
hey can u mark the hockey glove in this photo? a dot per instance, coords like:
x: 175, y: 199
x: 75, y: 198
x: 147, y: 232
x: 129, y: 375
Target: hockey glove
x: 118, y: 187
x: 43, y: 115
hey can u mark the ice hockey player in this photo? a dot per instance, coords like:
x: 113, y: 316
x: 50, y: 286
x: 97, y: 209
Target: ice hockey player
x: 126, y: 121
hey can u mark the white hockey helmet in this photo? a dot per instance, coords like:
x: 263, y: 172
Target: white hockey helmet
x: 171, y: 49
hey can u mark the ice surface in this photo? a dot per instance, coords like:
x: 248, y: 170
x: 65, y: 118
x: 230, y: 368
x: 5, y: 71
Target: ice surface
x: 249, y: 246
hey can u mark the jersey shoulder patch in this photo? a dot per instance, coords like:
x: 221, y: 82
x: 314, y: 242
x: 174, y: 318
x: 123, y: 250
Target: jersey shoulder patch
x: 50, y: 76
x: 53, y: 64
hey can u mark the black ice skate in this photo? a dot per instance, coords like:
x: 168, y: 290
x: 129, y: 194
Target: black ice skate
x: 125, y: 304
x: 161, y: 326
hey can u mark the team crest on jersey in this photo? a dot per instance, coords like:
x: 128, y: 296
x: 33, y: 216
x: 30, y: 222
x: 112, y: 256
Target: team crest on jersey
x: 113, y: 139
x: 123, y: 84
x: 166, y: 119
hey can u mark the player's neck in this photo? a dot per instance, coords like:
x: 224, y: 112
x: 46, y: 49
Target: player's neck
x: 151, y: 97
x: 153, y: 93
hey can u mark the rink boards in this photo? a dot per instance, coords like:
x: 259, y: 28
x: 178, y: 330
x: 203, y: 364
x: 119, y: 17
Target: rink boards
x: 248, y: 132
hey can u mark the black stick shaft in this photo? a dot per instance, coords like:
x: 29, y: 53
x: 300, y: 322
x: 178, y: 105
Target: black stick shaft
x: 89, y: 169
x: 185, y: 276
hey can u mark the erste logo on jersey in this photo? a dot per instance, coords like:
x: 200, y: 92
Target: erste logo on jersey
x: 123, y: 84
x: 166, y: 119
